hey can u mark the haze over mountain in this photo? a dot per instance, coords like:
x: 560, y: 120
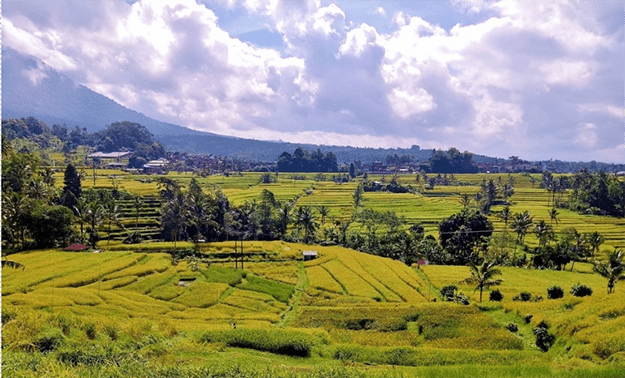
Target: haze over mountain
x: 31, y: 88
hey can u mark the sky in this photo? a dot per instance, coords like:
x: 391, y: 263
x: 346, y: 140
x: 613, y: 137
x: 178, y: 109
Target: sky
x: 533, y: 79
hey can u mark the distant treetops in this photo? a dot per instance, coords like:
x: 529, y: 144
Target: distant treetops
x: 304, y: 161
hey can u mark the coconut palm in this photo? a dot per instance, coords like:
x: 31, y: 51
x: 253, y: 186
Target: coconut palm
x: 175, y: 216
x: 306, y: 220
x: 111, y: 214
x: 553, y: 214
x: 543, y: 232
x: 521, y: 223
x: 482, y: 277
x: 465, y: 200
x: 137, y: 206
x: 594, y: 240
x: 15, y: 208
x: 613, y: 270
x: 323, y: 211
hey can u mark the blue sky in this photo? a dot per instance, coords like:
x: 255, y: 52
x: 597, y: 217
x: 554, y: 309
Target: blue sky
x: 535, y: 79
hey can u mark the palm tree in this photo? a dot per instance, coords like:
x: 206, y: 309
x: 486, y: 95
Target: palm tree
x: 285, y: 217
x: 613, y: 270
x: 482, y: 276
x: 175, y: 215
x: 323, y: 211
x: 543, y: 232
x: 37, y: 190
x: 553, y: 214
x: 111, y: 214
x: 465, y: 199
x: 594, y: 240
x: 306, y: 220
x: 505, y: 215
x: 521, y: 222
x: 94, y: 216
x: 15, y: 208
x: 80, y: 210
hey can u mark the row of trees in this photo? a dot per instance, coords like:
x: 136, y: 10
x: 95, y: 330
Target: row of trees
x: 304, y: 161
x: 592, y: 193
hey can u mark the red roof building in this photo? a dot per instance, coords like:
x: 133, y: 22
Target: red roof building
x: 76, y: 247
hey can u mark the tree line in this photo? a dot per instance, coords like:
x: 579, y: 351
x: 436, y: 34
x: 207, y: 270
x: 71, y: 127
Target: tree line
x: 304, y: 161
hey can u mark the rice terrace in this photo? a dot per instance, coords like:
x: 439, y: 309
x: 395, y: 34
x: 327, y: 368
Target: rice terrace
x: 311, y: 189
x: 152, y: 297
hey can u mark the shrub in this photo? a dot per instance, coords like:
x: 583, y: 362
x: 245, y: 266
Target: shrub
x: 449, y: 292
x: 537, y: 298
x: 528, y: 318
x: 580, y: 290
x: 555, y: 292
x: 544, y: 339
x: 461, y: 298
x: 495, y: 296
x: 512, y: 327
x: 523, y: 296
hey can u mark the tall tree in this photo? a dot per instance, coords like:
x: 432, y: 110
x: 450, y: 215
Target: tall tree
x: 594, y: 240
x: 543, y: 232
x: 72, y: 189
x: 613, y: 269
x: 521, y: 223
x: 482, y: 276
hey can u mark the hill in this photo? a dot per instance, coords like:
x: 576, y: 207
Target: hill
x: 115, y: 310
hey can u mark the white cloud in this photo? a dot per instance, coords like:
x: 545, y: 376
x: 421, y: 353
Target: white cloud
x: 380, y: 12
x: 512, y: 83
x: 586, y: 135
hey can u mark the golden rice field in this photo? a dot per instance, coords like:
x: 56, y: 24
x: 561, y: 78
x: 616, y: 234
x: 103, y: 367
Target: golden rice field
x: 343, y: 309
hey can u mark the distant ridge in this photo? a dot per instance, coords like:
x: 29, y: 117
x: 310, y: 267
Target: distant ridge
x: 31, y: 88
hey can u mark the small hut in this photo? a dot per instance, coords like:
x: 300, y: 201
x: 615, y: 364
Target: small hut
x: 309, y: 255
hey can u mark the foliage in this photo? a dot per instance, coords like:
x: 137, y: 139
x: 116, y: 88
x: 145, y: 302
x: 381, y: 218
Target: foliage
x: 495, y: 296
x: 555, y: 292
x: 451, y: 161
x: 613, y: 269
x: 544, y: 339
x: 304, y: 161
x: 482, y: 276
x: 580, y: 290
x: 464, y: 235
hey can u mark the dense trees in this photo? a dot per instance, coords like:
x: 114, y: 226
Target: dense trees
x: 451, y: 161
x: 304, y: 161
x: 464, y: 235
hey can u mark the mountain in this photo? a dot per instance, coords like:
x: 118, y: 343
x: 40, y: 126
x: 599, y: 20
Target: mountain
x: 31, y: 88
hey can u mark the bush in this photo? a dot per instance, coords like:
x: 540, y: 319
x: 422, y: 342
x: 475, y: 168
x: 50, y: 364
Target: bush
x: 544, y: 339
x: 579, y: 290
x: 495, y: 296
x: 523, y: 297
x: 555, y: 292
x: 461, y: 298
x: 512, y: 327
x: 528, y: 318
x: 449, y: 292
